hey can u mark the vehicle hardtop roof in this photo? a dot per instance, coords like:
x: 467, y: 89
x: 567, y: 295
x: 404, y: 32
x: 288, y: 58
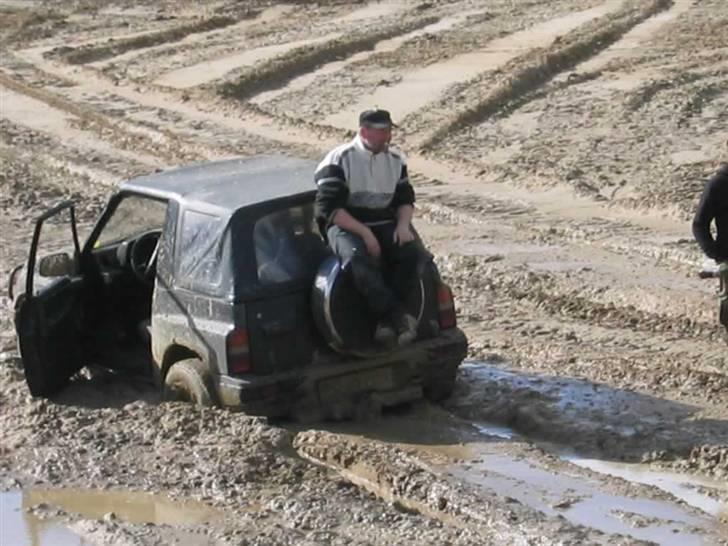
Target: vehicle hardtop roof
x: 229, y: 184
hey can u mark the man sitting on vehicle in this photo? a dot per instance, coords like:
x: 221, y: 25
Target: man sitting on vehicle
x: 365, y: 203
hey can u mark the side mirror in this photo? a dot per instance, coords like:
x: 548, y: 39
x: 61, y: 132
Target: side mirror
x: 57, y: 265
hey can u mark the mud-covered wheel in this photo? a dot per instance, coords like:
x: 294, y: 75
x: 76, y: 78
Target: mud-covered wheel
x: 189, y: 381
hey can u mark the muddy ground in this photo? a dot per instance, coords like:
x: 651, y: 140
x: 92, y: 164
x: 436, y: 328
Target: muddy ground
x: 557, y: 148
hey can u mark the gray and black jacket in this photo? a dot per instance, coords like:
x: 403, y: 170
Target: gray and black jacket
x: 369, y: 186
x: 713, y: 207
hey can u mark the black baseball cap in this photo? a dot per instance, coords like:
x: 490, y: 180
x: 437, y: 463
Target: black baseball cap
x: 376, y: 119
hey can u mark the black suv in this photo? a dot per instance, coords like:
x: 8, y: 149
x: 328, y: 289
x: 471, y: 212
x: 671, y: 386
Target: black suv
x: 217, y: 277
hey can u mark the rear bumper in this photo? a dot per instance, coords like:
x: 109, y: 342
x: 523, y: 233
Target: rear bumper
x: 335, y: 388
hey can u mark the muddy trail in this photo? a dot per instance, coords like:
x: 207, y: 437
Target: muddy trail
x: 557, y: 150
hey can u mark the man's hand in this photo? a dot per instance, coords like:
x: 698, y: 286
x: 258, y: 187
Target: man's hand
x: 373, y: 247
x: 403, y: 234
x: 348, y: 223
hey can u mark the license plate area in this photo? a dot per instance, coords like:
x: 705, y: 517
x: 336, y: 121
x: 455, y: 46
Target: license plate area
x: 344, y: 387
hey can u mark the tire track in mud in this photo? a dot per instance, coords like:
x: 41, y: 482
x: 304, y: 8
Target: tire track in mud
x: 385, y: 46
x: 421, y: 87
x: 200, y: 39
x: 40, y: 116
x: 111, y: 48
x: 590, y: 74
x: 229, y: 67
x: 583, y: 305
x: 301, y: 60
x: 123, y: 135
x: 534, y: 69
x: 402, y: 480
x: 532, y: 339
x: 209, y: 126
x: 661, y: 368
x: 616, y: 233
x: 490, y: 484
x: 86, y: 156
x: 624, y: 48
x: 210, y: 71
x: 556, y: 215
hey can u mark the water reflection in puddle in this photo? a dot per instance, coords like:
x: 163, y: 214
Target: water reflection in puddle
x: 686, y: 488
x: 495, y: 431
x: 20, y: 528
x: 23, y: 525
x: 582, y: 501
x: 592, y: 502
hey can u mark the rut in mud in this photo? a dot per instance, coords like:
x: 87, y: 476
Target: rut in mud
x: 557, y: 149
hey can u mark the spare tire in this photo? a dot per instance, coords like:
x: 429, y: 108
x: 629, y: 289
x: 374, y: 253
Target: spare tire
x: 341, y: 313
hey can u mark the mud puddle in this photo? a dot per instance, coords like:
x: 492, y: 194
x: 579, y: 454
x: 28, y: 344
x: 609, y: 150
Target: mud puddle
x: 495, y: 461
x: 580, y: 500
x: 35, y: 517
x: 555, y: 407
x: 20, y: 528
x: 689, y: 489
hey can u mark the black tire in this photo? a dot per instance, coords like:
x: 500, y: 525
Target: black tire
x: 189, y: 381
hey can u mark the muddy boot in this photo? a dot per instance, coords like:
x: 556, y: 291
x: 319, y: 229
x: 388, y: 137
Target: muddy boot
x: 406, y: 327
x: 385, y: 334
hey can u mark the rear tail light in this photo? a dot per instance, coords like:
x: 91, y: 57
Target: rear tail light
x: 446, y: 307
x: 238, y: 351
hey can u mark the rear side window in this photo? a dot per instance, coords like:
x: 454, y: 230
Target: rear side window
x: 288, y: 246
x: 201, y: 255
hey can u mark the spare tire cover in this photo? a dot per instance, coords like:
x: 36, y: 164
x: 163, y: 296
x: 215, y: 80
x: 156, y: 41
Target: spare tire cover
x: 341, y: 313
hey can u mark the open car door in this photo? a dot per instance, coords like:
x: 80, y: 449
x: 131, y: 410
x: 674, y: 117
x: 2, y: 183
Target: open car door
x: 48, y: 315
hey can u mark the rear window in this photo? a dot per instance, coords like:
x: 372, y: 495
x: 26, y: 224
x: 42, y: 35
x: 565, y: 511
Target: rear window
x: 200, y: 251
x: 288, y: 246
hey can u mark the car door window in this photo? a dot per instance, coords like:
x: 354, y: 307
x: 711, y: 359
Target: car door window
x: 134, y: 215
